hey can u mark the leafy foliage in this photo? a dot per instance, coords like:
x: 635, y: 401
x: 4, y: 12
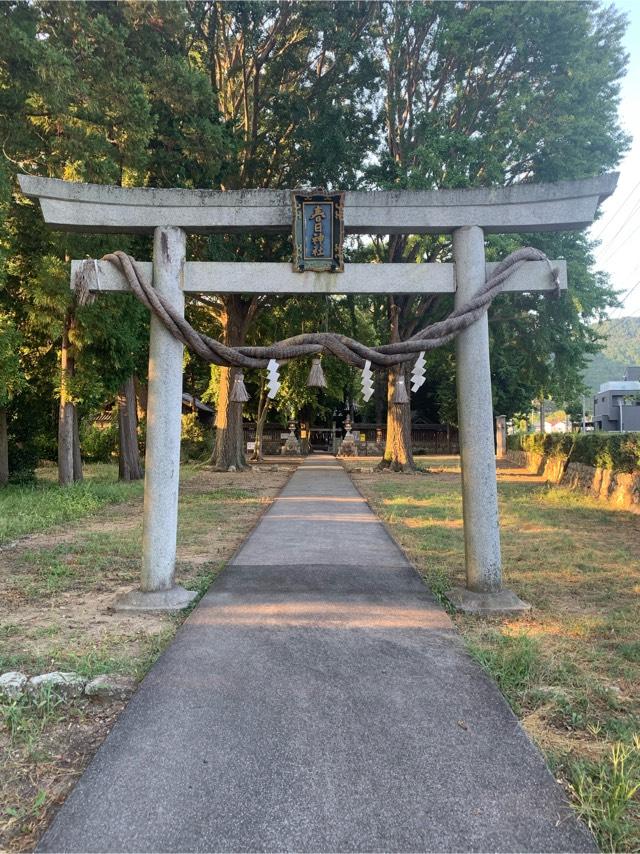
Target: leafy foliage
x: 468, y: 104
x: 99, y: 442
x: 11, y: 378
x: 343, y: 94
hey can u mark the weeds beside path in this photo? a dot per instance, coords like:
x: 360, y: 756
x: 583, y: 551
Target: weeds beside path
x: 57, y: 583
x: 571, y: 667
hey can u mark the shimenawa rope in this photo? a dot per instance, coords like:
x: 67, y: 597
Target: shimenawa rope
x: 317, y: 343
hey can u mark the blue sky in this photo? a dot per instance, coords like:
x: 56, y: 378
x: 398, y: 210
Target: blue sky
x: 619, y: 227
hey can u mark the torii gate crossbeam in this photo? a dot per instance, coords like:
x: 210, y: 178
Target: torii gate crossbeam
x: 467, y: 214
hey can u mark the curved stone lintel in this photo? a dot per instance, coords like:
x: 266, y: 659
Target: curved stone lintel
x: 565, y: 205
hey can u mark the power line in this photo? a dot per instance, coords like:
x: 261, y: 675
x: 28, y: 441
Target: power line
x: 621, y: 320
x: 618, y: 211
x: 625, y: 223
x: 627, y: 197
x: 630, y: 291
x: 626, y: 296
x: 609, y: 255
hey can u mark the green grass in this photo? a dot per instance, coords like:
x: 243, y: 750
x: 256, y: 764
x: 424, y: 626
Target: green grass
x: 570, y: 668
x: 514, y: 662
x: 25, y: 717
x: 630, y: 651
x: 90, y: 561
x: 58, y: 590
x: 203, y: 581
x: 27, y: 509
x: 115, y: 654
x: 84, y: 563
x: 606, y: 796
x: 26, y: 811
x: 31, y: 508
x: 130, y: 654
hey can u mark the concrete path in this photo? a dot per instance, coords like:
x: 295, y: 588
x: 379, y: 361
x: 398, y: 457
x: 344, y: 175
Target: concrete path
x: 317, y: 699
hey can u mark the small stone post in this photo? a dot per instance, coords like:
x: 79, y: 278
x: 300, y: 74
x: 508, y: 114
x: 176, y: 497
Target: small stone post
x: 501, y: 436
x: 484, y: 592
x: 162, y: 461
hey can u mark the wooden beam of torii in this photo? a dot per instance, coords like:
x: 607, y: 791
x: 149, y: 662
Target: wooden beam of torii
x: 466, y: 214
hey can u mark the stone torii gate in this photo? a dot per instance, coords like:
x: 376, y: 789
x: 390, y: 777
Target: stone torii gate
x: 466, y: 214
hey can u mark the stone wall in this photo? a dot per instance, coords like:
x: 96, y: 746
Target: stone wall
x: 621, y: 489
x: 553, y: 470
x: 532, y: 462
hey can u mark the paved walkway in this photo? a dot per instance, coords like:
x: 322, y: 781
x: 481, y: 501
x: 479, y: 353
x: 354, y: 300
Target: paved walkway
x: 317, y: 699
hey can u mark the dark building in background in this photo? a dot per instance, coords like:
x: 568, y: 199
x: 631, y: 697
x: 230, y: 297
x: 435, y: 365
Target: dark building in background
x: 616, y: 407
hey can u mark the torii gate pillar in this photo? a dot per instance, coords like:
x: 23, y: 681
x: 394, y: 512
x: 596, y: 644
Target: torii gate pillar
x: 162, y: 458
x: 484, y: 592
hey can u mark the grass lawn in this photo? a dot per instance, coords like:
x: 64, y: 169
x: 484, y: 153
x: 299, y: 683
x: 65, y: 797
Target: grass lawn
x: 78, y: 547
x: 571, y: 668
x: 26, y: 509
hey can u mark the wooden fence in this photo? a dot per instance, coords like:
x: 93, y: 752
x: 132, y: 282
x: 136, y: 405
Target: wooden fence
x: 425, y: 438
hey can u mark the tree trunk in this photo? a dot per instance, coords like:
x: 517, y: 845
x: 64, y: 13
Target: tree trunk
x: 263, y: 409
x: 141, y: 397
x: 4, y: 448
x: 69, y: 460
x: 398, y: 455
x: 77, y: 454
x: 65, y: 444
x: 380, y: 389
x: 129, y: 466
x: 229, y: 445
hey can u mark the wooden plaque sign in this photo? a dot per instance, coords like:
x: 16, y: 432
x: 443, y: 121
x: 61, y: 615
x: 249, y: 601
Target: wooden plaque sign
x: 318, y: 231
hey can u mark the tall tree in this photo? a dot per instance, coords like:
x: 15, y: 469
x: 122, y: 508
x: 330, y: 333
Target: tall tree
x: 11, y: 380
x: 247, y: 94
x: 84, y: 97
x: 485, y: 94
x: 54, y: 116
x: 290, y: 80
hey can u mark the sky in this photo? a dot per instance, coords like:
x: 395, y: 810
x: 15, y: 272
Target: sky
x: 619, y: 226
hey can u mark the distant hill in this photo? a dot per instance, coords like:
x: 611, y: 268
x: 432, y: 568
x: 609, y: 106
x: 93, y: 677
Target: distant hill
x: 622, y: 348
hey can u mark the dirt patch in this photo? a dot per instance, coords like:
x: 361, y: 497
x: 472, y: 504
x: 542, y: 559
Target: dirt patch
x: 561, y: 742
x: 38, y: 775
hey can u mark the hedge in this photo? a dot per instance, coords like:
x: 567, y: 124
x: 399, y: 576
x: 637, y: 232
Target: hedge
x: 614, y: 451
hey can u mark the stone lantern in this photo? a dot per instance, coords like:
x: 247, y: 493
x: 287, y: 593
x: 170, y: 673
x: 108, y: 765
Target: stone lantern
x: 291, y: 445
x: 348, y: 445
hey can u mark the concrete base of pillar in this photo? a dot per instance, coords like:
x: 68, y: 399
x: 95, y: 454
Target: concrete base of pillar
x: 174, y: 599
x: 501, y: 602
